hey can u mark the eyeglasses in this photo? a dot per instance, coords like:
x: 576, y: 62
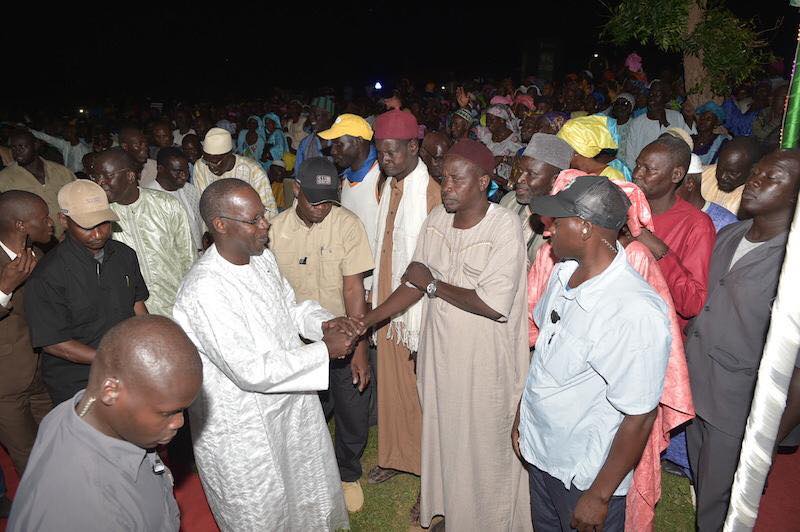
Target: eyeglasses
x: 100, y: 177
x: 255, y: 221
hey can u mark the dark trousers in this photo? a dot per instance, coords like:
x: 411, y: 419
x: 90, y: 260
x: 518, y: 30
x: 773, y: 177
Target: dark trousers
x: 552, y: 505
x: 713, y: 455
x: 350, y: 410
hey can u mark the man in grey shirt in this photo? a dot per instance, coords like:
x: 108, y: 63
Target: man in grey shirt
x: 724, y: 343
x: 93, y: 467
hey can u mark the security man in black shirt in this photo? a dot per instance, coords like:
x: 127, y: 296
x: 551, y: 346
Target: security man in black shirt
x: 82, y: 288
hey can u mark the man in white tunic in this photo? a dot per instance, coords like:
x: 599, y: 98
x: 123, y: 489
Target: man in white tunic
x: 261, y: 444
x: 219, y: 162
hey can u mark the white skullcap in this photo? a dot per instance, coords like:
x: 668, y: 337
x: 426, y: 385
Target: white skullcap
x: 217, y: 142
x: 695, y: 167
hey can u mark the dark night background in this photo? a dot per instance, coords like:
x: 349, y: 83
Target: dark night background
x: 76, y: 54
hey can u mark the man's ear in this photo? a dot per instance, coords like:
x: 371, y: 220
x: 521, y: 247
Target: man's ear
x: 219, y: 225
x: 109, y: 391
x: 678, y: 173
x: 586, y: 230
x: 483, y: 182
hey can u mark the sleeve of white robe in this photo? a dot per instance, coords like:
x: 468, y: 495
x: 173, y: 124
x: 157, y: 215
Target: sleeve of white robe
x: 217, y: 328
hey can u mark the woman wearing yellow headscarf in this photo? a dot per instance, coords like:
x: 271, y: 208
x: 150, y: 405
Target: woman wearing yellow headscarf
x: 594, y: 145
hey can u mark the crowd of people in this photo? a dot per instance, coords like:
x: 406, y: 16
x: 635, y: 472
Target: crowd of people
x: 545, y: 292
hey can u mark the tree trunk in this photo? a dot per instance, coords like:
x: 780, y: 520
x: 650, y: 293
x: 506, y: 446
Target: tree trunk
x: 694, y: 73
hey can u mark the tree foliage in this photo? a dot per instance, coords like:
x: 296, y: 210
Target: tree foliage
x: 731, y: 49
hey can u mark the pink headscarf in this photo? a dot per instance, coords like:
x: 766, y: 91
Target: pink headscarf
x: 525, y: 100
x: 634, y: 62
x: 506, y: 100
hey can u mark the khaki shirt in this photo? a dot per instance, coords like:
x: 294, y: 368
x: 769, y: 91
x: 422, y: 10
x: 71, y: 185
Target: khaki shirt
x: 16, y: 177
x: 314, y: 259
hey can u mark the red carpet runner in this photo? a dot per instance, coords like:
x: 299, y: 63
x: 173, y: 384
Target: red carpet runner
x: 778, y: 508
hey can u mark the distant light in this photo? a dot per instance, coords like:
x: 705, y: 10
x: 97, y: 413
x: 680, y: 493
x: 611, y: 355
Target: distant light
x: 595, y: 55
x: 442, y: 87
x: 378, y: 86
x: 81, y: 111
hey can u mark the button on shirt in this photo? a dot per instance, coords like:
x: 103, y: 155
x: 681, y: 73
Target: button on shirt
x: 79, y: 479
x: 72, y: 296
x: 314, y: 259
x: 601, y: 354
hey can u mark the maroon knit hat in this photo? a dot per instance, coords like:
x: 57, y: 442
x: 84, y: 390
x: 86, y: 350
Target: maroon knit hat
x: 475, y: 152
x: 396, y: 124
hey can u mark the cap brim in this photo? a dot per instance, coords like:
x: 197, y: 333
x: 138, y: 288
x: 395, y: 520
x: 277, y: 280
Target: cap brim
x: 553, y: 207
x: 315, y: 197
x: 90, y: 219
x: 332, y: 133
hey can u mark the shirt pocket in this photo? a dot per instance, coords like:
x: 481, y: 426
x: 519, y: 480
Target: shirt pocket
x: 566, y: 357
x: 733, y: 364
x: 475, y: 260
x: 330, y: 264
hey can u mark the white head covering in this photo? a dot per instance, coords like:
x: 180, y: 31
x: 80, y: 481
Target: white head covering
x: 695, y: 167
x: 218, y: 141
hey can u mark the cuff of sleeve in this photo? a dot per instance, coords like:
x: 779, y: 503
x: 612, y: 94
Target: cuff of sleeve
x: 495, y: 304
x: 5, y: 299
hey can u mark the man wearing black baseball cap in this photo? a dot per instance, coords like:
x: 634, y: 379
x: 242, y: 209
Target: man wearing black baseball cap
x: 323, y: 251
x: 597, y: 373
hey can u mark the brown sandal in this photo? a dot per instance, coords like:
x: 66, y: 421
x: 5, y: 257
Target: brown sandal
x: 378, y: 474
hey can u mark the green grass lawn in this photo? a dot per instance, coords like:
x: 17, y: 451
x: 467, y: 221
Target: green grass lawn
x: 386, y: 505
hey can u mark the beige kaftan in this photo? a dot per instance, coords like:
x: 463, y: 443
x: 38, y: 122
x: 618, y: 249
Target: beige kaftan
x: 470, y: 375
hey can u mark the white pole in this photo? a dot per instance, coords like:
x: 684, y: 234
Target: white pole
x: 769, y: 401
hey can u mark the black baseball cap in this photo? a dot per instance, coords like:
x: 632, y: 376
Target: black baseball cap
x: 593, y: 198
x: 319, y: 180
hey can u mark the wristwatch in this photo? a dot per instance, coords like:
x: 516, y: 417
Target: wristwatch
x: 430, y: 290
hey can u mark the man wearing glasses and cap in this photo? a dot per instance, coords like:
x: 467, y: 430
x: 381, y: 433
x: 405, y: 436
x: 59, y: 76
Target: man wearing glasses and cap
x: 87, y: 284
x: 598, y: 367
x: 323, y: 251
x: 219, y: 162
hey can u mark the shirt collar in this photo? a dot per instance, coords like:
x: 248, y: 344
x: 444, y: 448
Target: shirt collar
x: 11, y: 254
x: 589, y: 293
x: 124, y: 455
x: 356, y: 176
x: 84, y: 253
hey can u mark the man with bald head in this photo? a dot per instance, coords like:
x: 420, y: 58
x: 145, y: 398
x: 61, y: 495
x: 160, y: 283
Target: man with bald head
x: 152, y: 222
x: 723, y: 182
x: 434, y: 147
x: 469, y: 270
x: 84, y: 286
x: 533, y: 175
x: 134, y: 142
x: 726, y: 340
x: 261, y: 444
x: 31, y: 173
x: 684, y: 236
x: 94, y: 465
x: 24, y: 401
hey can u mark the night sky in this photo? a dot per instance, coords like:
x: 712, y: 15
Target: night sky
x: 79, y: 54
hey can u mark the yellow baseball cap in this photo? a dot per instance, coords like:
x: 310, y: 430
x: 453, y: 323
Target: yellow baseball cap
x: 348, y: 124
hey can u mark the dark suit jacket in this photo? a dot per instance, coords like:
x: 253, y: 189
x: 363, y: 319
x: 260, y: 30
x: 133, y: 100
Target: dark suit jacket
x: 725, y: 341
x: 18, y: 361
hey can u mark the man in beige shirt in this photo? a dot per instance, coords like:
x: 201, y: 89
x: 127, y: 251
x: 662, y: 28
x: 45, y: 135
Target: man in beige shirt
x: 723, y: 183
x: 323, y: 251
x: 31, y: 173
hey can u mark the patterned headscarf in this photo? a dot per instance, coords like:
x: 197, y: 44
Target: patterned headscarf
x: 504, y: 113
x: 525, y: 100
x: 501, y: 100
x: 555, y: 119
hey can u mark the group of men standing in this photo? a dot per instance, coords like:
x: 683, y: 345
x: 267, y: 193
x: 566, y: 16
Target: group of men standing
x: 278, y: 306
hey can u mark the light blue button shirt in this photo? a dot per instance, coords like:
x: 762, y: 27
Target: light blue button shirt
x: 601, y: 354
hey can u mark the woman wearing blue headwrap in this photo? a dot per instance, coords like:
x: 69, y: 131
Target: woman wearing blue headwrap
x: 251, y: 141
x: 707, y: 142
x: 276, y: 141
